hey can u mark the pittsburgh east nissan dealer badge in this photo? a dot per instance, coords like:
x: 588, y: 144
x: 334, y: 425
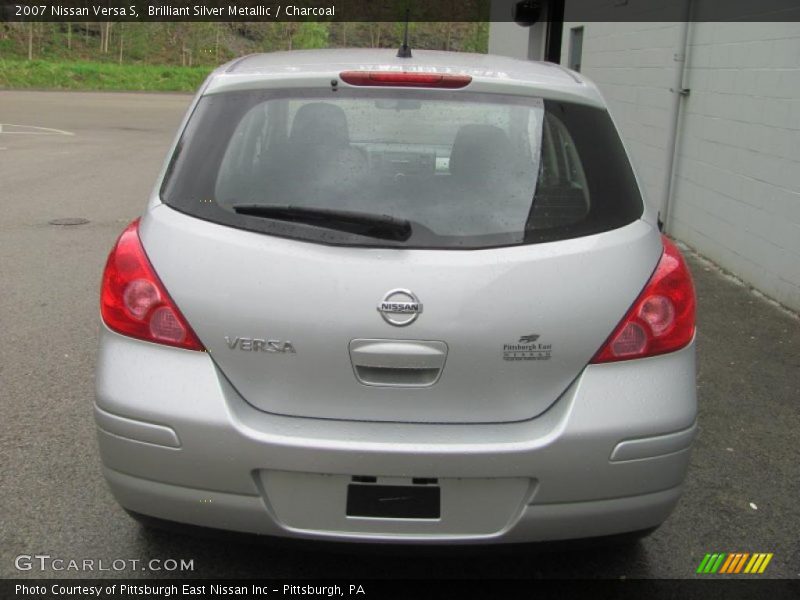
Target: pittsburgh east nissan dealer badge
x: 527, y: 348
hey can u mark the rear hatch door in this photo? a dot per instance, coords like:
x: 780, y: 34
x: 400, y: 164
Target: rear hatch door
x: 295, y: 326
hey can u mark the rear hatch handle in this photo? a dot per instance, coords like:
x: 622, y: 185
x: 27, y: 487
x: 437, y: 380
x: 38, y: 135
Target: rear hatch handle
x: 398, y: 363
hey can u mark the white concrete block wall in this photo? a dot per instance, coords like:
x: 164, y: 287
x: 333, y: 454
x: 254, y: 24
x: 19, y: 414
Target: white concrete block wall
x: 736, y: 196
x: 737, y: 188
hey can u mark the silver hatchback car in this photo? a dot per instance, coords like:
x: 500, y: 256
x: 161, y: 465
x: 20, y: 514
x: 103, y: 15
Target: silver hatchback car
x: 413, y: 300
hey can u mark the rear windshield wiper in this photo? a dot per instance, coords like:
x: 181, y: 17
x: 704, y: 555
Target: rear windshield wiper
x: 377, y: 226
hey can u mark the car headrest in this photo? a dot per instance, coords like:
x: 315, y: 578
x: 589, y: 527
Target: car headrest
x: 320, y: 123
x: 481, y: 153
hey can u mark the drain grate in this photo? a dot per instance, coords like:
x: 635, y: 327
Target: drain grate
x: 69, y: 221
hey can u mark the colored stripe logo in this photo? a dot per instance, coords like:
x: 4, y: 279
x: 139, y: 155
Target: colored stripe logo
x: 734, y: 562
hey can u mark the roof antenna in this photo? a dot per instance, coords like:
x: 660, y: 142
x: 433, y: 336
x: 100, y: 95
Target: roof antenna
x: 405, y: 49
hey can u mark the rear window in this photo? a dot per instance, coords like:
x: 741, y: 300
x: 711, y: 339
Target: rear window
x: 460, y: 170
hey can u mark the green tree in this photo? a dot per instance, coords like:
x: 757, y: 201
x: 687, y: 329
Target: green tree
x: 311, y: 35
x: 477, y: 40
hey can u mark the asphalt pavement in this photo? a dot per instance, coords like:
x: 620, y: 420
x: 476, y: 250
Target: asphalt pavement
x: 95, y: 156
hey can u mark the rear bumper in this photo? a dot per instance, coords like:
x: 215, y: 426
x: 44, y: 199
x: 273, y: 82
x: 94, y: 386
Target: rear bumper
x: 535, y: 522
x: 178, y: 443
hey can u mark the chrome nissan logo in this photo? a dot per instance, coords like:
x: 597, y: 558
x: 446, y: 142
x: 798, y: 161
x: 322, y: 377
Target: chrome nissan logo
x: 400, y: 307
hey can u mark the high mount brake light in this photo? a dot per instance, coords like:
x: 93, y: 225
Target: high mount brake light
x: 134, y: 302
x: 404, y: 79
x: 663, y: 317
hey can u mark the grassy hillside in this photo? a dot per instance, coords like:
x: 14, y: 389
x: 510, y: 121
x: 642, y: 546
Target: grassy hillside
x: 194, y: 44
x: 99, y: 76
x: 177, y: 56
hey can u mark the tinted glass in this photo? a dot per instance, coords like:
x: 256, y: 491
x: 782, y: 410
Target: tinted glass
x: 464, y: 170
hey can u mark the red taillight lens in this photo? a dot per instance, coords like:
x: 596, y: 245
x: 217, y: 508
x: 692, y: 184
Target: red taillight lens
x: 133, y: 300
x: 662, y: 318
x: 404, y: 79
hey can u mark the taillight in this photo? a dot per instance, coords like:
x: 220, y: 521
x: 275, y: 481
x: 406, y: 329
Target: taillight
x: 404, y: 79
x: 662, y: 319
x: 133, y: 300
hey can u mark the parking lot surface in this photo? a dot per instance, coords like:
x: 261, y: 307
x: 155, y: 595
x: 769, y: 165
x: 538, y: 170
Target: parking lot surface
x: 95, y: 157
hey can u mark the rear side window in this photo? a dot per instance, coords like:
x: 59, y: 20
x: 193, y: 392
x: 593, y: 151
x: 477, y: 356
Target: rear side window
x: 461, y: 170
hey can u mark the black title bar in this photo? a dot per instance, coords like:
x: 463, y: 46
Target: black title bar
x: 394, y: 10
x: 372, y: 589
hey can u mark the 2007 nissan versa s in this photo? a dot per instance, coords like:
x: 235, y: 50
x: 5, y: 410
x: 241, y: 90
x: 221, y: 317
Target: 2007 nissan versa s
x: 401, y: 300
